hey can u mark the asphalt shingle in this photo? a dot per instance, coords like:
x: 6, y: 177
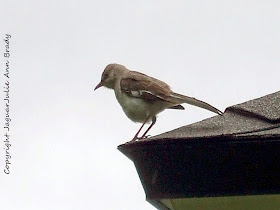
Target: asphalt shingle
x: 258, y: 117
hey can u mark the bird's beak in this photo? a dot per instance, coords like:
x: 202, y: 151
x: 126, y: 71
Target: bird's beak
x: 100, y: 84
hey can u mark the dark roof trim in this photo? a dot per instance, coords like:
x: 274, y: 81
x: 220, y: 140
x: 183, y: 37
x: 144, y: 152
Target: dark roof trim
x: 206, y: 168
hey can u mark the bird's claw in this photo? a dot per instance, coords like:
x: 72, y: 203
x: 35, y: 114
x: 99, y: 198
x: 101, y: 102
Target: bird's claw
x: 145, y: 137
x: 136, y: 138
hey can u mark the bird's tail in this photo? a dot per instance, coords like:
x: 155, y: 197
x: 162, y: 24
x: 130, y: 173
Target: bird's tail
x: 192, y: 101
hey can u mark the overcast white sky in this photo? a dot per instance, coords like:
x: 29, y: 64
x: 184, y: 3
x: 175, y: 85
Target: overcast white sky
x: 64, y: 136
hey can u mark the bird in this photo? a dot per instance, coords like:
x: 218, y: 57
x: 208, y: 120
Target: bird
x: 143, y: 97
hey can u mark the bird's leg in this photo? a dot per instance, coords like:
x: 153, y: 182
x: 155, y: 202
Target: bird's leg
x: 136, y: 135
x: 153, y: 122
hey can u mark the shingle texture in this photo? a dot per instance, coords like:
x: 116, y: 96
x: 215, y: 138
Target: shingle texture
x: 259, y: 117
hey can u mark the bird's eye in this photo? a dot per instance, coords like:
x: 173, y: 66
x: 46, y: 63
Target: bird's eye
x: 104, y: 76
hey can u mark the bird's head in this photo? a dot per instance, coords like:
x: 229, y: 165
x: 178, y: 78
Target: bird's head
x: 110, y: 75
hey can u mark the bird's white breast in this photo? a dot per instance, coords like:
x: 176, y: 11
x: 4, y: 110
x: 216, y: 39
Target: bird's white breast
x: 135, y: 108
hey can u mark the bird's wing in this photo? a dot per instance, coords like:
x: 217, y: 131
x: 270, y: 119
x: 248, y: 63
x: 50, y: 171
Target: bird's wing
x: 142, y: 86
x: 139, y: 85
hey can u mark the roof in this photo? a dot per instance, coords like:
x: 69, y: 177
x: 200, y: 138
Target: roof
x: 231, y: 155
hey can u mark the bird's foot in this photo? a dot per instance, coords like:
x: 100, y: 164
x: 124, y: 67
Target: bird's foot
x: 135, y: 138
x: 145, y: 137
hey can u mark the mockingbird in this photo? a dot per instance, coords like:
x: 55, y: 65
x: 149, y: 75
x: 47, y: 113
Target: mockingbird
x: 142, y: 97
